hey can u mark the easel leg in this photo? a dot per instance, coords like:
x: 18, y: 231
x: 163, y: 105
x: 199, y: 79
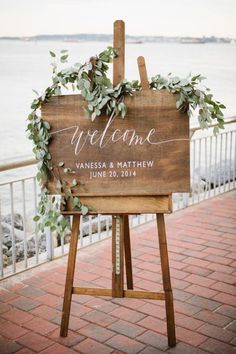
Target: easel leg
x: 118, y: 256
x: 70, y: 276
x: 128, y: 260
x: 166, y: 280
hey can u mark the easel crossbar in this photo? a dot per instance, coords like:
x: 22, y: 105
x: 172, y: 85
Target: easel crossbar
x: 126, y: 293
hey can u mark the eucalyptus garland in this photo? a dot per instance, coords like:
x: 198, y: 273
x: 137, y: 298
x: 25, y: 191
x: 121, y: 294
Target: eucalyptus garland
x: 92, y: 82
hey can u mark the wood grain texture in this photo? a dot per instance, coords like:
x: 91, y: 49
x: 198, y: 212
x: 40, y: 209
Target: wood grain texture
x: 170, y: 318
x: 91, y: 291
x: 127, y: 251
x: 144, y: 295
x: 118, y: 220
x: 119, y: 46
x: 126, y: 293
x: 70, y: 276
x: 168, y: 169
x: 125, y: 205
x: 143, y: 73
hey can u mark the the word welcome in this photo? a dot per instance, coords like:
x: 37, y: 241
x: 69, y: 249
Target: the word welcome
x: 103, y: 138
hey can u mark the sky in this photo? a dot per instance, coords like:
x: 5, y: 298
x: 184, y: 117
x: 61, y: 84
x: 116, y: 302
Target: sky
x: 149, y: 17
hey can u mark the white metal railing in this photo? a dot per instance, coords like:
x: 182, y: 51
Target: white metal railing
x: 213, y: 168
x: 213, y: 171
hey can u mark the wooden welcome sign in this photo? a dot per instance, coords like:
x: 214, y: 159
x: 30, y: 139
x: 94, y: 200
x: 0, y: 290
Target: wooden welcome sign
x: 142, y: 156
x: 146, y: 153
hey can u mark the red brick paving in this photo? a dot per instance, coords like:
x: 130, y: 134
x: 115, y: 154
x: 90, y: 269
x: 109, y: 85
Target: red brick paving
x: 4, y: 308
x: 46, y: 312
x: 30, y: 291
x: 59, y: 349
x: 154, y: 324
x: 38, y: 325
x: 213, y: 318
x: 71, y: 340
x: 96, y: 332
x: 17, y: 316
x: 91, y: 346
x: 11, y: 330
x: 75, y: 322
x: 24, y: 303
x: 35, y: 341
x: 8, y: 346
x: 202, y: 251
x: 126, y: 344
x: 126, y: 328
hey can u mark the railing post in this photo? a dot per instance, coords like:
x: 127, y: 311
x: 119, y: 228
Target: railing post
x: 49, y: 244
x: 185, y: 200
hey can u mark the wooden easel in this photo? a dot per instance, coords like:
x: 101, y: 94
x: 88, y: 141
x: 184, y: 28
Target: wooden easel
x: 121, y: 247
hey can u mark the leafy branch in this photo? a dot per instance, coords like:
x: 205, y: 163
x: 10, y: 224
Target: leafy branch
x: 190, y: 97
x: 91, y: 80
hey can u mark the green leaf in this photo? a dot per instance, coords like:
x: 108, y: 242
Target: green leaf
x: 36, y: 218
x: 59, y: 186
x: 64, y: 58
x: 52, y: 54
x: 222, y: 106
x: 215, y: 130
x: 178, y: 104
x: 74, y: 182
x: 93, y: 116
x: 47, y: 125
x: 39, y: 175
x: 184, y: 82
x: 75, y: 201
x: 175, y: 80
x: 57, y: 91
x: 97, y: 72
x: 84, y: 210
x: 36, y: 92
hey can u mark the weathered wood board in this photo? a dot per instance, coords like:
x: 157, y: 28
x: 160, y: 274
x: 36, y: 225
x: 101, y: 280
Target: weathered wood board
x: 125, y: 205
x: 144, y: 154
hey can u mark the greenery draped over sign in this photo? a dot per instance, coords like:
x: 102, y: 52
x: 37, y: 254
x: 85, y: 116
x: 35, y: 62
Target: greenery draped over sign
x: 92, y: 82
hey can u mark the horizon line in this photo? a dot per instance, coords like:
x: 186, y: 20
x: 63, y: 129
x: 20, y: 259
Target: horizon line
x: 110, y: 34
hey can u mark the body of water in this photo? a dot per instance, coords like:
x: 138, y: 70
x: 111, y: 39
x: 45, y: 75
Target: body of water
x: 26, y: 65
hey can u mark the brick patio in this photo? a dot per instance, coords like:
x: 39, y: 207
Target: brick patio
x: 202, y: 251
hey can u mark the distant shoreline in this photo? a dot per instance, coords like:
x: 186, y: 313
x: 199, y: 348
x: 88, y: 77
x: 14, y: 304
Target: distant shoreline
x: 84, y: 37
